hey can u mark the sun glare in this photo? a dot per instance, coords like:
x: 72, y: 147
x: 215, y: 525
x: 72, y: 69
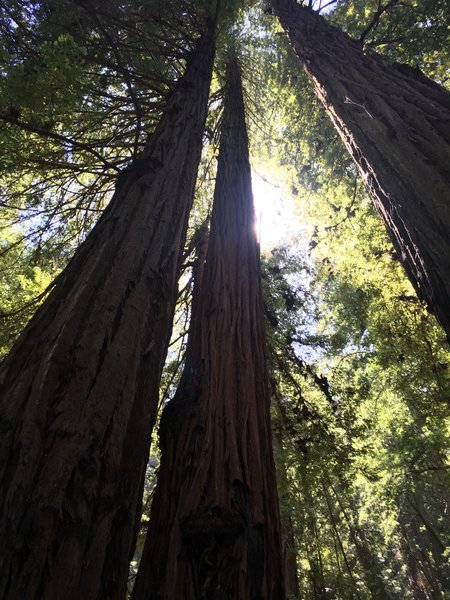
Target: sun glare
x: 277, y: 216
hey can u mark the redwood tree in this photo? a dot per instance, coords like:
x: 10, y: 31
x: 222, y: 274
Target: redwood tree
x: 79, y: 390
x: 395, y: 122
x: 214, y: 526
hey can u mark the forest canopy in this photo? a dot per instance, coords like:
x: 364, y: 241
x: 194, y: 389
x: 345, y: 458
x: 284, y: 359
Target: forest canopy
x: 100, y: 101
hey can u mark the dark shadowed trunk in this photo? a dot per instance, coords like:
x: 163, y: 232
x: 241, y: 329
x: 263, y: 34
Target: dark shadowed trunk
x: 422, y: 544
x: 214, y: 530
x: 287, y: 527
x: 419, y: 586
x: 396, y: 125
x: 79, y: 391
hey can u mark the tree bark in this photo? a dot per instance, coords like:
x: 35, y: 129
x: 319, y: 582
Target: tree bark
x: 214, y: 528
x: 395, y: 122
x: 79, y: 392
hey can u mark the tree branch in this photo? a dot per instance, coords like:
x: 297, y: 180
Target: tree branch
x: 12, y: 120
x: 376, y: 18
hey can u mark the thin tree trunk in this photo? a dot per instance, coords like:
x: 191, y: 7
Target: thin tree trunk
x: 338, y: 537
x: 290, y: 569
x: 430, y: 550
x: 418, y: 584
x: 395, y: 123
x: 370, y: 565
x: 315, y: 573
x: 214, y: 528
x: 79, y: 391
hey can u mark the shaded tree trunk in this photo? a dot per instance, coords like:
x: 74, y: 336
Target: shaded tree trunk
x: 370, y: 564
x: 79, y: 391
x: 426, y: 547
x: 291, y: 584
x: 368, y: 559
x: 214, y: 528
x: 395, y: 123
x: 417, y: 583
x: 427, y: 577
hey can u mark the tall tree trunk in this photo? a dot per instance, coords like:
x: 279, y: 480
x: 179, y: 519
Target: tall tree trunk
x: 395, y: 123
x: 214, y: 528
x: 79, y: 391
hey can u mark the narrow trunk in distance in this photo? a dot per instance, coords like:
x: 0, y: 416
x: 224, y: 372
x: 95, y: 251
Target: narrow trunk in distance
x: 395, y: 123
x: 367, y: 557
x: 79, y: 391
x: 418, y: 584
x: 214, y: 531
x: 291, y: 584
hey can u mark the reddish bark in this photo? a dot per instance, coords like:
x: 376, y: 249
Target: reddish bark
x: 79, y: 391
x: 396, y: 125
x: 214, y: 527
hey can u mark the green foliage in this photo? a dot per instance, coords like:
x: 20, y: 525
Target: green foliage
x: 413, y: 32
x: 81, y: 88
x: 362, y: 405
x: 24, y: 285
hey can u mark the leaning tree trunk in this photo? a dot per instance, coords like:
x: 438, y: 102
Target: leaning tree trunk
x: 214, y: 530
x: 79, y: 391
x: 395, y: 123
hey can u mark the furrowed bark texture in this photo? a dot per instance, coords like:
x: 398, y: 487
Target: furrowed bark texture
x: 214, y: 529
x: 395, y: 122
x: 79, y: 391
